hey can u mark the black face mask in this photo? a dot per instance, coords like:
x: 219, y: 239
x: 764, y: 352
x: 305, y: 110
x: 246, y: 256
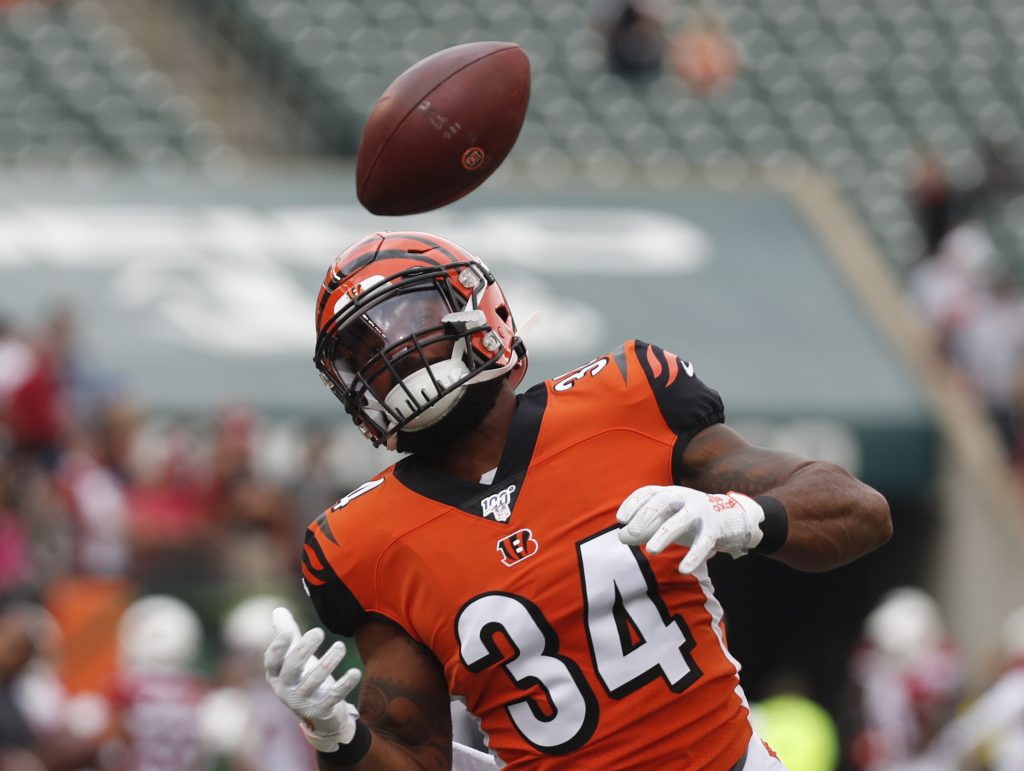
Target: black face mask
x: 468, y: 413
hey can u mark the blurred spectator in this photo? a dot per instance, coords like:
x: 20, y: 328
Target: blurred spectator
x: 703, y: 54
x: 989, y: 345
x: 994, y: 724
x: 15, y: 551
x: 16, y: 737
x: 157, y: 692
x: 36, y: 407
x: 242, y: 719
x: 167, y: 498
x: 934, y: 200
x: 317, y: 485
x: 947, y: 287
x: 908, y: 677
x: 40, y: 725
x: 68, y: 729
x: 16, y: 361
x: 634, y: 38
x: 98, y: 503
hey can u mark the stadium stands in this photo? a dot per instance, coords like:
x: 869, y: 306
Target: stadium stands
x: 857, y: 90
x: 854, y: 89
x: 74, y: 90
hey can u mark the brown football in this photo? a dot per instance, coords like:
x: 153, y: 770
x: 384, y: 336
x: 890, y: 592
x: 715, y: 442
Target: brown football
x: 442, y: 127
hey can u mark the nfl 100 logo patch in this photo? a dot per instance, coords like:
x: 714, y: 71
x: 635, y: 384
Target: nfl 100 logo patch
x: 498, y: 506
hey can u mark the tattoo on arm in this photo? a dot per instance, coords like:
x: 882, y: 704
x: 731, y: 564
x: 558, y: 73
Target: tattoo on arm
x: 750, y: 476
x: 718, y: 461
x: 406, y: 717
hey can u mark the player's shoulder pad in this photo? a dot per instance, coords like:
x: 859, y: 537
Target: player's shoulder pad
x: 661, y: 367
x: 686, y: 403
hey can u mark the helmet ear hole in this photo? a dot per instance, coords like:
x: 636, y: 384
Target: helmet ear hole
x: 503, y: 313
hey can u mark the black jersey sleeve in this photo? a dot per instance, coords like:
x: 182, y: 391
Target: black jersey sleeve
x: 687, y: 405
x: 336, y: 605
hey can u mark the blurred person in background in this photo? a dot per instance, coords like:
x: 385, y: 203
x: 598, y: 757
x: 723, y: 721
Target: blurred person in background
x: 38, y: 407
x: 157, y: 692
x: 703, y: 54
x: 98, y: 502
x: 991, y: 728
x: 908, y: 678
x: 989, y: 346
x: 15, y: 546
x: 947, y: 287
x: 41, y: 725
x: 254, y: 510
x: 17, y: 362
x: 242, y: 718
x: 17, y: 741
x: 634, y: 38
x: 169, y: 501
x: 316, y: 484
x: 936, y: 203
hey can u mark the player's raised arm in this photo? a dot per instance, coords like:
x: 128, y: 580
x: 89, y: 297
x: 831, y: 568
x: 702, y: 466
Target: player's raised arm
x: 736, y: 497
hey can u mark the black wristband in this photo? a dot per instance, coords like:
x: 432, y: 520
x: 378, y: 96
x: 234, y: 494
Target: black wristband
x: 774, y: 528
x: 351, y: 753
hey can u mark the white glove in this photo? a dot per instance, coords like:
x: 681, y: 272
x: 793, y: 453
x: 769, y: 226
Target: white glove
x: 730, y: 522
x: 305, y: 685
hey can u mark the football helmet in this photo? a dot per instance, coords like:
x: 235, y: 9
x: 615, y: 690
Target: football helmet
x: 158, y: 633
x: 405, y: 321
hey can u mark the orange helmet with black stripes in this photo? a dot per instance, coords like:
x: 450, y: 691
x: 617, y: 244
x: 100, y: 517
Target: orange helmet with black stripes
x: 405, y: 321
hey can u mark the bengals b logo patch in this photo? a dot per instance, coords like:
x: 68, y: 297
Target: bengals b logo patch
x: 514, y: 548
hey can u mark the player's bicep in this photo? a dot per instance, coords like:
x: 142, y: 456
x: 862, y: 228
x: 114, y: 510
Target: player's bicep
x: 718, y: 459
x: 404, y: 697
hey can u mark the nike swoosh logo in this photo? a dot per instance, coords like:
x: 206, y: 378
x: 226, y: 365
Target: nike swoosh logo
x: 687, y: 367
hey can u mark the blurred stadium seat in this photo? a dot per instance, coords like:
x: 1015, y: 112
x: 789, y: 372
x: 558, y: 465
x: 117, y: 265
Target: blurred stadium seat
x: 74, y: 90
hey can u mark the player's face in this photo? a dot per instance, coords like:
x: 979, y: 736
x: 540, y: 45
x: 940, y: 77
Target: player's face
x: 392, y: 340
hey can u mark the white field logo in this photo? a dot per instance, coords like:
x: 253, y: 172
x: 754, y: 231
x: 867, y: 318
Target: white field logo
x: 497, y: 506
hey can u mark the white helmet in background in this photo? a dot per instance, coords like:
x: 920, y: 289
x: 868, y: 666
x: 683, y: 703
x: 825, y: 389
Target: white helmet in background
x: 248, y: 625
x: 159, y: 633
x: 906, y: 622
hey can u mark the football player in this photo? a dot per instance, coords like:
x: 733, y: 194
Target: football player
x: 541, y: 556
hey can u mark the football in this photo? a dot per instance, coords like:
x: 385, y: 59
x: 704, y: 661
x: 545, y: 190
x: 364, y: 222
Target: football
x: 442, y: 127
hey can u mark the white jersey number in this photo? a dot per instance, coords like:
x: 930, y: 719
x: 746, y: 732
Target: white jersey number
x: 573, y: 714
x: 633, y: 640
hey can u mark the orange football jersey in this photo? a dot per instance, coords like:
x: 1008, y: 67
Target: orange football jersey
x: 572, y: 649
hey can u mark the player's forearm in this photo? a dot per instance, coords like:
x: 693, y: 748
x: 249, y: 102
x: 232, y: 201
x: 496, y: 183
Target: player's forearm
x: 404, y: 719
x: 833, y: 518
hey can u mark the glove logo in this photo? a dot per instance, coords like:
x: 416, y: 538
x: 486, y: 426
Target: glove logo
x: 514, y: 548
x: 722, y: 502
